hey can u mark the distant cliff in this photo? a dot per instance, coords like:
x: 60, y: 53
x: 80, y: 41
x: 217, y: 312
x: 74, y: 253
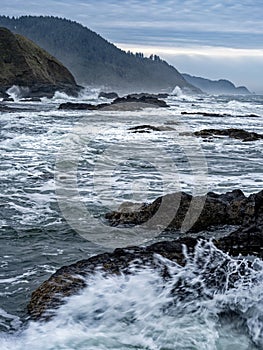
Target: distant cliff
x: 25, y: 64
x: 95, y: 61
x: 221, y: 86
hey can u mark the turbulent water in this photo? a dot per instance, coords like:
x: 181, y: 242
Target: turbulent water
x: 62, y: 170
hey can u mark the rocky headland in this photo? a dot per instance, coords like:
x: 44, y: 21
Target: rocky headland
x: 26, y: 65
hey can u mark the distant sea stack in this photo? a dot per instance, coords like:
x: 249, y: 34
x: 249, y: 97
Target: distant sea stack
x: 96, y: 62
x: 25, y: 64
x: 217, y: 87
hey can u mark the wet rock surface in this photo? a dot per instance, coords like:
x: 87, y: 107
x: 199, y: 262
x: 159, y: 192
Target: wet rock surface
x: 141, y: 101
x: 171, y: 210
x: 234, y: 206
x: 239, y: 134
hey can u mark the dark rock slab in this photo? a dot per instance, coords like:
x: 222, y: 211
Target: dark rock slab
x: 206, y: 114
x: 69, y: 280
x: 81, y: 106
x: 148, y: 128
x: 146, y: 95
x: 152, y: 101
x: 239, y: 134
x: 170, y: 211
x: 109, y: 95
x: 144, y: 98
x: 247, y: 240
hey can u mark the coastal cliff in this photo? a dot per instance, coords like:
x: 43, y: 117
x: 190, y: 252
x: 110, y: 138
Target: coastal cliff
x: 25, y: 64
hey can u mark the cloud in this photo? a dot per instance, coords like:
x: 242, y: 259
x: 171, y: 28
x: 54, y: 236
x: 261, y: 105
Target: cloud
x: 212, y: 28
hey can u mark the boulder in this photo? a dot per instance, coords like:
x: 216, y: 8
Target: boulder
x: 109, y: 95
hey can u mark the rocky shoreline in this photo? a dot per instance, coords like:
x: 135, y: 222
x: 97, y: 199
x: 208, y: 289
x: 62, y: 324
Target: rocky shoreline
x: 229, y: 208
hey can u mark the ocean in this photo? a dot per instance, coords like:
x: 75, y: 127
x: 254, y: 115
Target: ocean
x: 62, y: 170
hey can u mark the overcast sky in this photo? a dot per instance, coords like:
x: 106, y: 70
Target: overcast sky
x: 209, y: 38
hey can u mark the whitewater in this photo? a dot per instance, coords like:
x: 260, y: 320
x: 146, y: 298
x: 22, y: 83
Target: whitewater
x: 61, y: 171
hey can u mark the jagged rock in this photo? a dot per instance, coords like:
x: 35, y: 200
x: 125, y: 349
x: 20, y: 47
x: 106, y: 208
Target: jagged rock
x: 109, y: 95
x: 231, y: 207
x: 145, y: 94
x: 69, y: 280
x: 23, y: 63
x: 144, y: 99
x: 139, y: 102
x: 170, y: 211
x: 239, y: 134
x: 81, y: 106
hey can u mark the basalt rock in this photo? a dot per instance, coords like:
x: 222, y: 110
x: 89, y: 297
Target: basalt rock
x: 239, y: 134
x: 69, y: 280
x: 171, y: 210
x: 247, y: 240
x: 146, y: 95
x: 141, y: 101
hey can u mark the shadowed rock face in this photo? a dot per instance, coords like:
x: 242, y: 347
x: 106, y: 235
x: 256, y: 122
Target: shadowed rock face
x: 171, y: 210
x: 23, y: 63
x: 247, y: 240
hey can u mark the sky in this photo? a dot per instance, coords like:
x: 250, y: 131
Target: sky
x: 208, y: 38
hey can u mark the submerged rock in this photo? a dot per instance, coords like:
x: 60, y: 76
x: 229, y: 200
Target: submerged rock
x: 149, y: 128
x: 239, y: 134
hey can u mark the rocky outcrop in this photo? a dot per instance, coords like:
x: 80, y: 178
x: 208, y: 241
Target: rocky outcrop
x: 232, y: 207
x: 109, y: 95
x: 139, y: 102
x: 239, y: 134
x: 221, y: 86
x: 170, y: 211
x: 23, y: 63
